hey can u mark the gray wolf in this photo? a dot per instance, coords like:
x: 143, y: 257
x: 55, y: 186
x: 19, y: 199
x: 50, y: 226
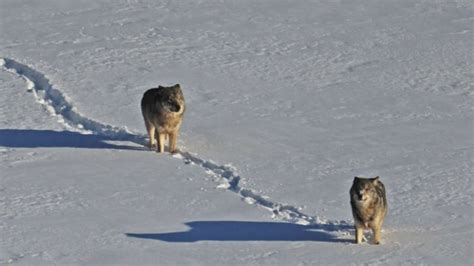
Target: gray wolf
x: 369, y: 207
x: 163, y: 109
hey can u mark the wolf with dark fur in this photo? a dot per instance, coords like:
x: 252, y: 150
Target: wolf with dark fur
x: 163, y: 109
x: 369, y: 207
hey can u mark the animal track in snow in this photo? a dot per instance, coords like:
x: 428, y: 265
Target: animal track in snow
x: 59, y: 105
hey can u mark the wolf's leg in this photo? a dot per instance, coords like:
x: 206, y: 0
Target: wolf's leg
x: 155, y: 139
x: 161, y: 142
x: 151, y: 134
x: 173, y: 138
x: 359, y: 234
x: 377, y: 232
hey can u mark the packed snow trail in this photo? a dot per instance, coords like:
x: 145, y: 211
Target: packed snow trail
x: 58, y: 105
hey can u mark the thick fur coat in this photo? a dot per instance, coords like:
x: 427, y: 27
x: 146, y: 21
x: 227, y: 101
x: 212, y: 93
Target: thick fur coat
x: 163, y: 109
x: 369, y: 206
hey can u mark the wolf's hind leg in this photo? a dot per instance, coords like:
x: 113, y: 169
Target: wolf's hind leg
x: 151, y: 135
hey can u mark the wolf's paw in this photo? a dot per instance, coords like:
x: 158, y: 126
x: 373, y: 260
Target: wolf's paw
x: 175, y: 151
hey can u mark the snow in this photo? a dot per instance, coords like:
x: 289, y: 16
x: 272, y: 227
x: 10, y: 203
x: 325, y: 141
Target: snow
x: 287, y: 101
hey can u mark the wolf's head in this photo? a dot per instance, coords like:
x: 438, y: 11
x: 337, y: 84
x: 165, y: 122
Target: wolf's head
x: 171, y: 98
x: 364, y: 189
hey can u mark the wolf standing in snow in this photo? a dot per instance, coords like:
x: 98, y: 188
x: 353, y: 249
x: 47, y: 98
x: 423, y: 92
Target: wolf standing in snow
x: 163, y: 109
x: 369, y: 207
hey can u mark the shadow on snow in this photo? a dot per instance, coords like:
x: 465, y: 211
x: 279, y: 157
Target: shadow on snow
x: 26, y: 138
x: 245, y: 231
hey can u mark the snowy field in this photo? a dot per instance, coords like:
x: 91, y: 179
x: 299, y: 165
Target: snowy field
x: 287, y: 101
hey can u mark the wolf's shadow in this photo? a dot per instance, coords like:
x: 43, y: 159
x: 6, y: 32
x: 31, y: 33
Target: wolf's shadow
x: 246, y: 231
x: 29, y: 138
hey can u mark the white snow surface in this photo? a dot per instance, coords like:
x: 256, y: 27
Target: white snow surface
x: 287, y: 101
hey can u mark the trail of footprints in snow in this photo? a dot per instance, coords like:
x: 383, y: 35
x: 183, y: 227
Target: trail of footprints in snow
x: 58, y: 105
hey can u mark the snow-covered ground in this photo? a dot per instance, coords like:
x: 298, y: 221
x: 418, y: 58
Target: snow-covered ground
x: 287, y: 101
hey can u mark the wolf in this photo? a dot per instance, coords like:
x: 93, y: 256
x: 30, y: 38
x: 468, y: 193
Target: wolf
x: 369, y: 207
x: 163, y: 109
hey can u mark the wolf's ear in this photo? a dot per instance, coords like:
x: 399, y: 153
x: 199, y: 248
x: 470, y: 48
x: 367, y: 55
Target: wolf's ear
x: 356, y: 179
x: 375, y: 180
x: 160, y: 87
x: 177, y: 85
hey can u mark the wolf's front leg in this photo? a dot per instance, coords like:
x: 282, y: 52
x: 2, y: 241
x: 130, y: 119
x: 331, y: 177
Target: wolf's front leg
x: 359, y: 234
x: 377, y: 232
x: 173, y: 139
x: 161, y: 142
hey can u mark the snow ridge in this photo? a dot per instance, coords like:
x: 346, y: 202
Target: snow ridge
x: 231, y: 180
x: 58, y: 105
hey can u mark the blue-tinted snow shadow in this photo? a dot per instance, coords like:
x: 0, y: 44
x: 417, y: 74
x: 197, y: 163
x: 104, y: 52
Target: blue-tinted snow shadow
x: 27, y: 138
x: 245, y: 231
